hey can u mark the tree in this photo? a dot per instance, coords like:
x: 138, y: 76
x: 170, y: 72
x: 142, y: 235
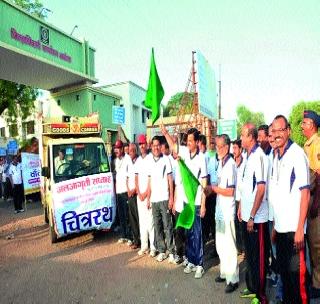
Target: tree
x: 296, y: 117
x: 18, y: 99
x: 174, y: 104
x: 244, y: 115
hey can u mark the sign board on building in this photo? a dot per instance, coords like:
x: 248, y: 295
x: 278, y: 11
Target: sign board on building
x: 229, y: 127
x: 207, y: 93
x: 118, y: 115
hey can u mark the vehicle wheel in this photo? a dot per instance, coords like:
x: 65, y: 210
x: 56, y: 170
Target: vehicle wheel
x: 45, y: 214
x: 53, y: 235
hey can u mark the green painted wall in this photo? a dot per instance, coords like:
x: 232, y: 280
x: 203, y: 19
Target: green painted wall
x: 21, y: 32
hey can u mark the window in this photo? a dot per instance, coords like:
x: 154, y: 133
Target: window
x: 58, y: 102
x: 28, y: 127
x: 13, y: 130
x: 143, y: 118
x: 3, y: 132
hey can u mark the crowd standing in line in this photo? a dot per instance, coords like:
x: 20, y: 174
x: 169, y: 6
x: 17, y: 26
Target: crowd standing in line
x: 261, y: 201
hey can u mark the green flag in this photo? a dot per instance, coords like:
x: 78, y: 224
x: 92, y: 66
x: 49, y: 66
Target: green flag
x: 190, y: 185
x: 155, y: 91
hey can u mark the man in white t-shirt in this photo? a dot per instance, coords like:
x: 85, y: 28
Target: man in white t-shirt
x: 15, y: 176
x: 145, y: 213
x: 160, y: 196
x: 290, y: 195
x: 225, y: 214
x: 195, y: 161
x: 253, y: 212
x: 121, y: 168
x: 132, y: 198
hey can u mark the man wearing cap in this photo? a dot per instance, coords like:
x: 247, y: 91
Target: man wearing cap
x: 145, y: 213
x: 122, y: 163
x: 310, y: 125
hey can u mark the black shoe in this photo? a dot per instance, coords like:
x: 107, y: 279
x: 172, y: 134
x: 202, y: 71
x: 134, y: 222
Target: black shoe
x: 219, y: 279
x: 231, y: 287
x: 314, y: 293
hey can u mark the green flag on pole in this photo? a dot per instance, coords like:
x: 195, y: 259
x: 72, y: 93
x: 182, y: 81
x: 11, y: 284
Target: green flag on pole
x: 155, y: 91
x: 190, y: 185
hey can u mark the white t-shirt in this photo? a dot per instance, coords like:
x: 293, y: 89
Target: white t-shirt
x: 269, y: 195
x: 240, y: 169
x: 227, y: 176
x: 142, y: 170
x: 159, y: 169
x: 131, y: 174
x: 290, y: 174
x: 255, y: 172
x: 15, y: 172
x: 121, y: 168
x: 198, y: 167
x: 180, y: 198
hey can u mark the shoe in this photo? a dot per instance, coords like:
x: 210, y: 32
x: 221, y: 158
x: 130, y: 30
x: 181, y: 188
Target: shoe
x: 199, y: 272
x: 134, y: 246
x: 246, y: 293
x: 153, y: 253
x: 161, y: 257
x: 171, y: 258
x: 218, y: 279
x: 231, y: 287
x: 21, y: 210
x: 142, y: 252
x: 314, y: 292
x: 274, y: 280
x: 189, y: 268
x: 178, y: 260
x: 121, y: 240
x: 185, y: 261
x: 129, y: 242
x: 16, y: 211
x: 255, y: 301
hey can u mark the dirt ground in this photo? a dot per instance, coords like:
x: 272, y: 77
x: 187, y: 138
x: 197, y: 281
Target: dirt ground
x: 92, y: 268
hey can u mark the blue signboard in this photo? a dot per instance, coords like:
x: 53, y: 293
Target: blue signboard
x: 12, y: 145
x: 118, y: 115
x: 3, y: 152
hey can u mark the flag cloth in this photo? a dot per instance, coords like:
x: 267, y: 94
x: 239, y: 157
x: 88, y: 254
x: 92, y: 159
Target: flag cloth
x: 190, y: 185
x: 155, y: 91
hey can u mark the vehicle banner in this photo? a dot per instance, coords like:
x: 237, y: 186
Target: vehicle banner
x: 84, y: 203
x: 30, y: 163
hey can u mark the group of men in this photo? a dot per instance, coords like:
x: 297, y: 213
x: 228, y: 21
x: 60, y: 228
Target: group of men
x: 266, y: 203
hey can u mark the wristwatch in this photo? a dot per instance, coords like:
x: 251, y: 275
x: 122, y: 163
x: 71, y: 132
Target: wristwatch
x: 251, y: 218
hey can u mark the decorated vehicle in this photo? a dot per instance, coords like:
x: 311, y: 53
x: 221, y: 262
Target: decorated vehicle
x: 77, y: 190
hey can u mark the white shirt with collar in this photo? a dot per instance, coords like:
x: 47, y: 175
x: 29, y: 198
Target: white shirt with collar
x: 227, y: 176
x: 290, y: 174
x: 197, y: 165
x: 142, y: 171
x: 121, y: 168
x: 16, y: 173
x: 159, y: 169
x: 131, y: 174
x: 255, y: 172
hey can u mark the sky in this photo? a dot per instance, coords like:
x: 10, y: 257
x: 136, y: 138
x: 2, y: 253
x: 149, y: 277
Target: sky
x: 268, y: 50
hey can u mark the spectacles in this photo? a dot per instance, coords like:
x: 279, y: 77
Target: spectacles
x: 279, y: 130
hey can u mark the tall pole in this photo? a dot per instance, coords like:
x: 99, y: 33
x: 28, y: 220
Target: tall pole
x: 219, y: 115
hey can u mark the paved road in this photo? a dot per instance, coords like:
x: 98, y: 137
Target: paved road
x: 91, y: 268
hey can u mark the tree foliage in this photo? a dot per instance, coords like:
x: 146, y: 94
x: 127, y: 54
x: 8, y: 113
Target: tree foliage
x: 296, y: 117
x: 175, y: 102
x: 244, y: 115
x: 18, y: 99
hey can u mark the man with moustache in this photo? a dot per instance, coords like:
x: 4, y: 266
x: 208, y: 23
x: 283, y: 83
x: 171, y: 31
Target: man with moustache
x: 263, y: 140
x: 310, y: 126
x: 122, y: 163
x: 253, y: 212
x: 145, y: 213
x: 290, y: 195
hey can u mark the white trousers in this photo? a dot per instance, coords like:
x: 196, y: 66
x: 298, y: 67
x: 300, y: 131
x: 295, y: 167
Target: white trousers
x: 146, y: 225
x: 227, y: 251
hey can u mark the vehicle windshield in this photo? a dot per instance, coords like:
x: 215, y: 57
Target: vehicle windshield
x: 75, y: 160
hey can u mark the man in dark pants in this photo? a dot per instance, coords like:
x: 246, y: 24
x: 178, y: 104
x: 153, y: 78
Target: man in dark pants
x: 122, y: 162
x: 15, y: 176
x: 132, y: 198
x: 289, y: 195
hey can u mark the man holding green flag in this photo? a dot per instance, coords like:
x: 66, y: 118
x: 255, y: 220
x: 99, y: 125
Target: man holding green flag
x: 155, y: 91
x: 193, y: 171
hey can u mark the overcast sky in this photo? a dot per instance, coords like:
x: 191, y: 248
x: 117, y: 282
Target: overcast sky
x: 269, y: 51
